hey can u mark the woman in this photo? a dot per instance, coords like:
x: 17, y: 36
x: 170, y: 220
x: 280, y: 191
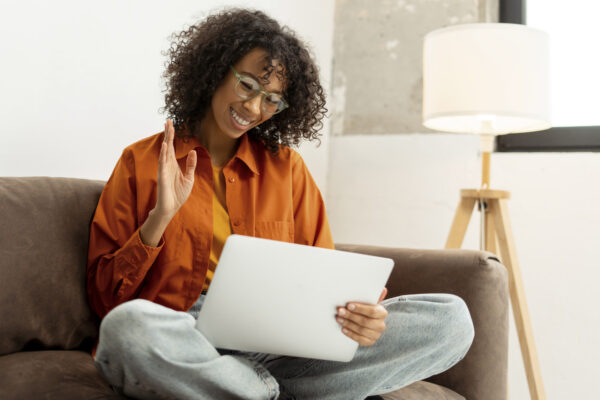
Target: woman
x: 241, y: 90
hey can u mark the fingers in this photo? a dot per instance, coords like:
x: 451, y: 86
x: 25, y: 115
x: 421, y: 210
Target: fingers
x: 164, y: 148
x: 367, y: 311
x: 191, y: 165
x: 384, y: 293
x: 367, y: 322
x: 167, y: 152
x: 166, y: 133
x: 363, y: 323
x: 162, y: 158
x: 365, y: 335
x: 169, y: 137
x: 362, y: 340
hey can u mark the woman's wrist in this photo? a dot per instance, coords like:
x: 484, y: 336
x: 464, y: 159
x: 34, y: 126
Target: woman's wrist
x: 154, y: 227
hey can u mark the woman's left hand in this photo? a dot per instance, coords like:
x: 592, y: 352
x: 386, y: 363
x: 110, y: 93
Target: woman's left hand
x: 363, y: 323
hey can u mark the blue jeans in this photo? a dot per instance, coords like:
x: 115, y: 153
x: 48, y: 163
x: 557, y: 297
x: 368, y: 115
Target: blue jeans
x: 148, y: 351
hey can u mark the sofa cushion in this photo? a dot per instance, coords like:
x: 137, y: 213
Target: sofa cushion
x: 52, y: 375
x: 423, y: 391
x: 66, y: 375
x: 43, y: 255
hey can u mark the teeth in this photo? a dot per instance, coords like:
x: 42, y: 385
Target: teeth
x: 239, y: 119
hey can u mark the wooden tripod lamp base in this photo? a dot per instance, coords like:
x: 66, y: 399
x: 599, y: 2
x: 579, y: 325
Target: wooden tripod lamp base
x: 498, y: 236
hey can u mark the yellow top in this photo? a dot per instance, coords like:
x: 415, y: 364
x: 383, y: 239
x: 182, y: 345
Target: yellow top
x: 221, y: 223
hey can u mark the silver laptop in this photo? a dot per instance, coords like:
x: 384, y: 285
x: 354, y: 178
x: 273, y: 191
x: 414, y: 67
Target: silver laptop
x: 281, y: 298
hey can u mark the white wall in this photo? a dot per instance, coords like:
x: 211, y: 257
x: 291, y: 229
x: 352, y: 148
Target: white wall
x: 402, y: 190
x: 81, y: 80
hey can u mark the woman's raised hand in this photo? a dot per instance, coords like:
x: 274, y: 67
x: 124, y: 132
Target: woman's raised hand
x: 174, y: 187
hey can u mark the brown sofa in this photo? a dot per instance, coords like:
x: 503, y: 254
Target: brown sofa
x: 47, y: 328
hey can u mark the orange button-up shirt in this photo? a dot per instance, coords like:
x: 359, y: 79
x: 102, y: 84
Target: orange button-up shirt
x: 269, y: 196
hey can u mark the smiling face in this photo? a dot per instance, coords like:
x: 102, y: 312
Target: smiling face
x: 233, y: 115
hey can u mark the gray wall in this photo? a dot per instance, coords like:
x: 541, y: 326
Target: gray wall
x: 377, y: 61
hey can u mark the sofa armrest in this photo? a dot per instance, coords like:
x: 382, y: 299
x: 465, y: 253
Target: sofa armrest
x: 481, y: 281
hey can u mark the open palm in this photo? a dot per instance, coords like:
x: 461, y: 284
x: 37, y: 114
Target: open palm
x: 174, y: 187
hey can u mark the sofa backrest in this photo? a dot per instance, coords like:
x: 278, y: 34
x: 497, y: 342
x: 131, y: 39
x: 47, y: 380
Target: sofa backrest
x: 44, y: 230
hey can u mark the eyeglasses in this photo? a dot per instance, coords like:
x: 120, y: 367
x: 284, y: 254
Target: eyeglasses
x: 247, y: 88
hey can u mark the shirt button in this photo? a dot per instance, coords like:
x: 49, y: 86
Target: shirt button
x: 236, y: 223
x: 231, y: 180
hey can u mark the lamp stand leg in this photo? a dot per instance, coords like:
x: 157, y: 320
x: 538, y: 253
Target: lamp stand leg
x: 498, y: 236
x: 490, y: 229
x: 517, y: 296
x: 460, y: 223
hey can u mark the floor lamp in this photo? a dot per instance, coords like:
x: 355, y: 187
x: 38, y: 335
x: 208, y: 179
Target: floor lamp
x: 490, y: 79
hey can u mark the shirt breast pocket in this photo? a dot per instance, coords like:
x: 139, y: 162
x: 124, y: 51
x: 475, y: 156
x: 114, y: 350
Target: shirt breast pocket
x: 275, y: 230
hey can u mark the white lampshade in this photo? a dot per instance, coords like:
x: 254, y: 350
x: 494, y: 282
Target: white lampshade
x: 487, y: 78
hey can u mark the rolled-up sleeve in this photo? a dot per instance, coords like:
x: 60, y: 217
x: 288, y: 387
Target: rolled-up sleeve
x: 311, y: 226
x: 118, y: 260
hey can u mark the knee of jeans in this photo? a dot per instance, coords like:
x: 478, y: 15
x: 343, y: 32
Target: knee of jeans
x: 124, y: 323
x: 459, y: 326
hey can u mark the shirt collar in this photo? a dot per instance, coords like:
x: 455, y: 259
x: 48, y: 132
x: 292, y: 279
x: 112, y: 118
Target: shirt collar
x: 245, y: 151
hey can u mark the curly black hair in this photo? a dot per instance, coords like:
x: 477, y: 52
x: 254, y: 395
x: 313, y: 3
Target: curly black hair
x: 199, y: 60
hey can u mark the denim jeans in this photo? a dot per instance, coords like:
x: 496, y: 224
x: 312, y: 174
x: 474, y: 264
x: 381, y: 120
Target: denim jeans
x: 148, y: 351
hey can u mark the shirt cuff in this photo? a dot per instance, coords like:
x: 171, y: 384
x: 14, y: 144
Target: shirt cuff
x: 140, y: 256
